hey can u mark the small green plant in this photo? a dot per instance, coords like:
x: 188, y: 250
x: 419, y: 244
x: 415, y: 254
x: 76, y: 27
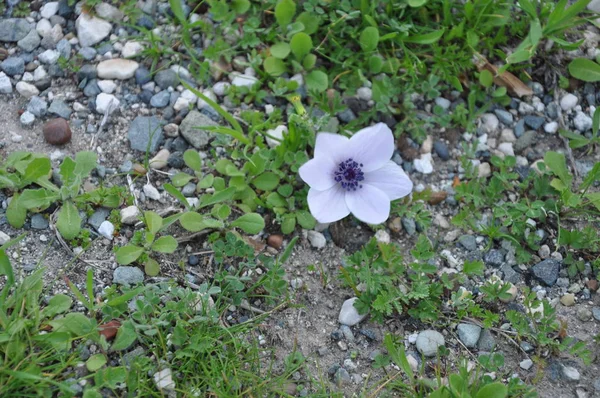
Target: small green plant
x: 141, y: 247
x: 580, y: 141
x: 72, y: 174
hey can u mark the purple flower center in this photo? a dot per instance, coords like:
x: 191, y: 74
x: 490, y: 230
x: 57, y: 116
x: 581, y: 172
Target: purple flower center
x: 349, y: 174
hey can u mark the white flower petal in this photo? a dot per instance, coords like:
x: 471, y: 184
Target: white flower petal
x: 369, y: 204
x: 391, y: 179
x: 318, y: 173
x: 328, y: 206
x: 333, y: 146
x: 372, y: 146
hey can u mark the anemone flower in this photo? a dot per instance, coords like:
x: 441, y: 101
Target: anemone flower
x: 354, y: 175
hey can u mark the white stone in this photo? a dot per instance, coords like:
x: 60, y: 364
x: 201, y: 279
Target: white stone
x: 525, y: 108
x: 91, y: 30
x: 316, y: 239
x: 132, y: 49
x: 106, y: 103
x: 79, y: 107
x: 298, y: 78
x: 526, y: 364
x: 159, y: 161
x: 582, y: 122
x: 484, y: 170
x: 181, y: 103
x: 277, y: 134
x: 424, y: 164
x: 43, y: 27
x: 39, y: 73
x: 106, y: 229
x: 164, y: 380
x: 182, y: 72
x: 27, y: 90
x: 244, y: 81
x: 109, y: 12
x: 221, y: 88
x: 130, y: 215
x: 190, y: 96
x: 49, y: 57
x: 107, y: 86
x: 349, y: 315
x: 490, y: 122
x: 207, y: 93
x: 27, y: 119
x: 568, y: 102
x: 151, y: 192
x: 5, y: 84
x: 428, y: 342
x: 117, y: 68
x: 594, y: 5
x: 49, y: 9
x: 382, y: 236
x: 3, y: 238
x: 551, y: 127
x: 507, y: 148
x: 570, y: 373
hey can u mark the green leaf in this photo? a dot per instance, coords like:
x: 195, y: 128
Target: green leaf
x: 309, y: 61
x: 165, y: 244
x: 585, y: 69
x: 218, y: 197
x: 91, y: 393
x: 37, y: 168
x: 428, y: 38
x: 192, y: 159
x: 310, y: 21
x: 154, y: 221
x: 519, y: 56
x: 594, y: 198
x: 285, y: 190
x: 486, y: 78
x: 95, y: 362
x: 276, y: 200
x: 126, y: 336
x: 317, y: 81
x: 493, y: 390
x: 177, y: 195
x: 152, y: 267
x: 240, y: 6
x: 417, y: 3
x: 128, y: 254
x: 195, y: 222
x: 85, y: 162
x: 223, y: 212
x: 16, y: 213
x: 57, y: 305
x: 267, y: 181
x: 473, y: 268
x: 284, y: 12
x: 596, y: 122
x: 206, y: 182
x: 68, y: 222
x: 36, y: 198
x: 280, y: 50
x: 557, y: 164
x: 301, y: 44
x: 125, y: 297
x: 177, y: 9
x: 274, y: 66
x: 76, y: 323
x: 181, y: 178
x: 305, y: 219
x: 251, y: 223
x: 369, y: 39
x: 288, y: 224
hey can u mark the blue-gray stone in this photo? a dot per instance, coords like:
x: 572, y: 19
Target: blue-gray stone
x: 166, y: 78
x: 142, y: 75
x: 146, y: 22
x: 145, y: 96
x: 505, y: 117
x: 91, y: 89
x: 346, y: 116
x: 56, y: 71
x: 552, y: 110
x: 13, y: 66
x: 14, y: 29
x: 37, y: 106
x: 494, y: 258
x: 38, y: 221
x: 547, y: 271
x: 468, y: 242
x: 520, y: 128
x: 409, y: 225
x: 188, y: 129
x: 176, y: 160
x: 30, y: 42
x: 535, y: 122
x: 60, y: 108
x: 128, y: 276
x: 104, y: 48
x: 88, y: 53
x: 65, y: 9
x: 98, y: 217
x: 441, y: 149
x: 64, y: 48
x: 188, y: 189
x: 525, y: 141
x: 87, y: 71
x: 145, y: 133
x: 510, y: 275
x: 486, y: 342
x: 161, y: 99
x: 469, y: 334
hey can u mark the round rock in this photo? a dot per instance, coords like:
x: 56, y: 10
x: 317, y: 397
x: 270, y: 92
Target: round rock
x: 118, y: 68
x: 428, y: 342
x: 57, y: 131
x: 349, y: 315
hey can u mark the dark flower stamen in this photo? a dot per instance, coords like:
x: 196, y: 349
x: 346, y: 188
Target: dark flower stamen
x: 349, y: 174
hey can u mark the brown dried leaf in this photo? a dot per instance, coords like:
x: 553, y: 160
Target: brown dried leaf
x: 436, y: 198
x: 513, y: 84
x: 109, y: 329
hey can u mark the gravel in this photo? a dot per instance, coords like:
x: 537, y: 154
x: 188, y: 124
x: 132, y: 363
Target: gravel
x: 198, y: 138
x: 128, y: 276
x: 547, y: 271
x: 145, y: 133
